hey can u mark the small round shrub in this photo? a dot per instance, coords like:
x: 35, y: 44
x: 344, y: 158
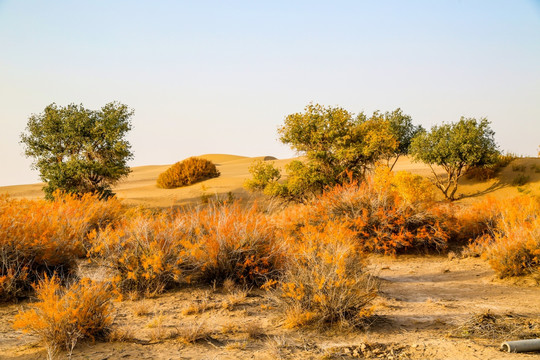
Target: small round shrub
x: 187, y: 172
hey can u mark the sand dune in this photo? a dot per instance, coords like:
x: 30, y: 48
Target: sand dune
x: 139, y: 188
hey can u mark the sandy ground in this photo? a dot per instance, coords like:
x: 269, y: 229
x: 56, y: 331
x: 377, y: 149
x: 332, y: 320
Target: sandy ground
x: 423, y: 299
x: 139, y: 188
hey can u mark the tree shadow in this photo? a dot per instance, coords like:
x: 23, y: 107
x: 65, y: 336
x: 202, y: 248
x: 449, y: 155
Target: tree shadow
x: 497, y: 185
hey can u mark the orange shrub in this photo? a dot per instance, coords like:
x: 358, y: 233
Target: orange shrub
x: 232, y: 242
x: 39, y: 236
x: 149, y: 253
x: 325, y: 280
x: 145, y: 252
x: 64, y: 315
x: 467, y: 223
x: 512, y: 245
x: 187, y: 172
x: 384, y: 220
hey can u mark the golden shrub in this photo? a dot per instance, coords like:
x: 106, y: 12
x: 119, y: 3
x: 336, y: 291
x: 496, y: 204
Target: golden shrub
x: 187, y: 172
x: 233, y: 242
x: 512, y: 245
x: 39, y: 236
x: 325, y: 280
x: 149, y: 253
x: 145, y: 252
x: 64, y: 315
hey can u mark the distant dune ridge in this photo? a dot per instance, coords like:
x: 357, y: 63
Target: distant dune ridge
x: 140, y: 186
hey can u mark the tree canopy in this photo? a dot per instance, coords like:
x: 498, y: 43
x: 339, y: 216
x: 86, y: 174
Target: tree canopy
x: 403, y: 130
x: 78, y: 150
x: 456, y: 147
x: 336, y: 145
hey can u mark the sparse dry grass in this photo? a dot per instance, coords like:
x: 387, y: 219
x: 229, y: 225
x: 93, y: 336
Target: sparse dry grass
x: 488, y: 325
x: 232, y: 300
x: 254, y: 330
x: 122, y: 334
x: 193, y: 333
x: 141, y: 308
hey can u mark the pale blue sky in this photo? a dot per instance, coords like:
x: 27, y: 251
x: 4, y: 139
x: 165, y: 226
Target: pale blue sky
x: 220, y: 76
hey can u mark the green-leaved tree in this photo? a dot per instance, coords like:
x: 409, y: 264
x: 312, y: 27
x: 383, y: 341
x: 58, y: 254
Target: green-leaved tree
x: 404, y: 131
x: 78, y: 150
x: 456, y: 147
x: 336, y: 146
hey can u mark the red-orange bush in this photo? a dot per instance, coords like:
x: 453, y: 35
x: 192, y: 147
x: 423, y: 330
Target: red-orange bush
x: 39, y: 236
x: 384, y: 221
x: 466, y: 223
x: 187, y: 172
x: 64, y: 315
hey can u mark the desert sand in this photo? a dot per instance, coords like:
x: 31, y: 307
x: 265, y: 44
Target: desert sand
x: 140, y: 188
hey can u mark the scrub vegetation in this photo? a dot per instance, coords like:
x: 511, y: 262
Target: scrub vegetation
x: 342, y: 205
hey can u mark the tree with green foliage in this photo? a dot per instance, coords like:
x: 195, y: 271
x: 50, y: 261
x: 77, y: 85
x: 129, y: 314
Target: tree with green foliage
x: 78, y: 150
x: 335, y: 142
x: 336, y: 145
x: 456, y: 147
x: 263, y: 173
x: 404, y: 131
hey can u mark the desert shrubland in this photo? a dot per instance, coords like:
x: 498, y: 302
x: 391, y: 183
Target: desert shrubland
x: 150, y: 252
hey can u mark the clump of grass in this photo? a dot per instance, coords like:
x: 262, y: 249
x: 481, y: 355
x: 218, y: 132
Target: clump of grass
x: 234, y: 299
x: 199, y: 307
x: 519, y: 167
x: 159, y: 330
x: 193, y: 333
x: 141, y: 308
x: 535, y: 168
x: 254, y: 330
x: 521, y: 180
x: 124, y: 334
